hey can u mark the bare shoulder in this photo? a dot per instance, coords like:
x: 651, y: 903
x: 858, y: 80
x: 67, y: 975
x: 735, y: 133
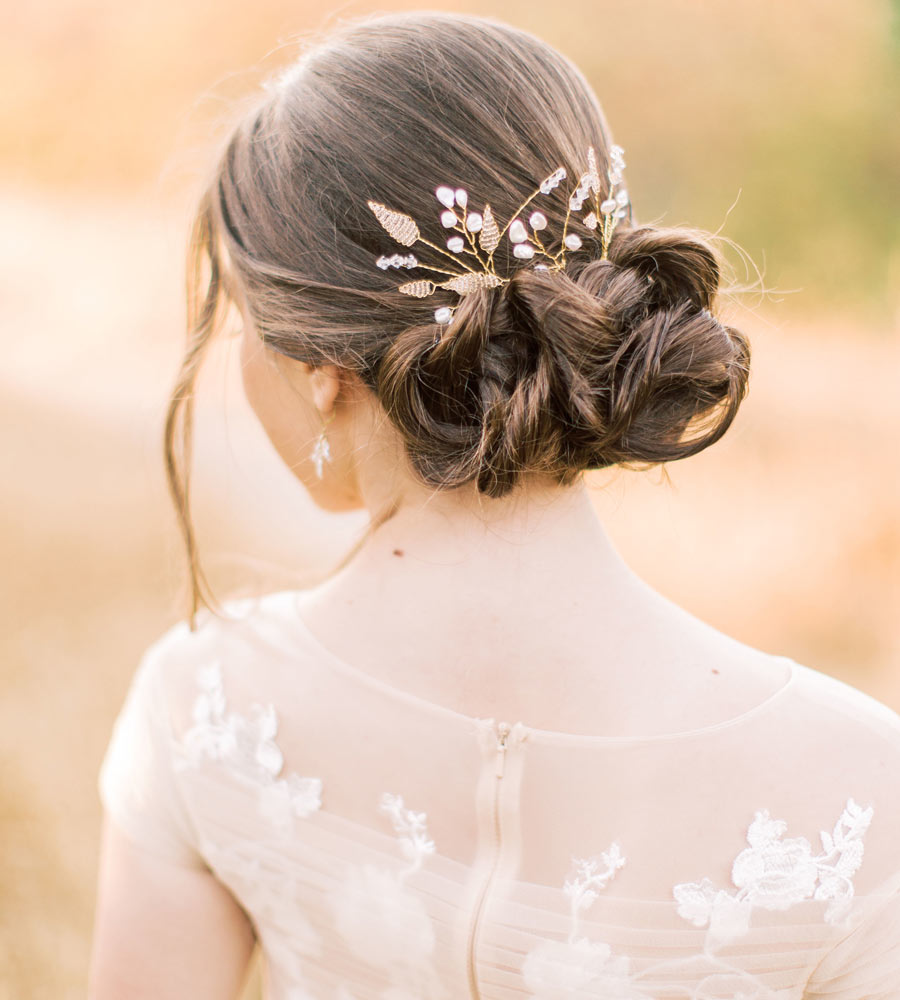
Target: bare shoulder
x: 719, y: 674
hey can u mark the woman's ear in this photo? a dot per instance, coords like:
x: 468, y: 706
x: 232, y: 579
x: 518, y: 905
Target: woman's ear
x: 325, y: 384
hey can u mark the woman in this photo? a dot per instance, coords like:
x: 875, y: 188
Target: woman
x: 483, y: 759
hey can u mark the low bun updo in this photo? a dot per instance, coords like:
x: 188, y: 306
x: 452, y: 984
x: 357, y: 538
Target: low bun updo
x: 558, y: 371
x: 608, y: 362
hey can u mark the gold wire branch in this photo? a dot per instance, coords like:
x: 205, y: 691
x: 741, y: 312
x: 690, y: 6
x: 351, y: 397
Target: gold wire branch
x: 477, y: 233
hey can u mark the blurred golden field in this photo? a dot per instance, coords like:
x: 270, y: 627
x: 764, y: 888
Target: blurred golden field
x: 786, y: 534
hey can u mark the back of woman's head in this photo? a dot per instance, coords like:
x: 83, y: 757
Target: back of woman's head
x: 606, y: 361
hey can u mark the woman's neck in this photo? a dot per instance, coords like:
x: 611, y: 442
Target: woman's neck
x: 464, y: 551
x: 510, y: 607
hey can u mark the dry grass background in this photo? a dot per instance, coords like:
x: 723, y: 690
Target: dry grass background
x: 786, y: 534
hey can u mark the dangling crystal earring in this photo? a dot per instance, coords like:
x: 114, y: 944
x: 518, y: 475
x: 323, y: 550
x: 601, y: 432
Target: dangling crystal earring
x: 322, y: 451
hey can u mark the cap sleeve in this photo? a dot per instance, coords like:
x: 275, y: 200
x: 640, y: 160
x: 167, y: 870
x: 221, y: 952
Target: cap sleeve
x: 136, y: 781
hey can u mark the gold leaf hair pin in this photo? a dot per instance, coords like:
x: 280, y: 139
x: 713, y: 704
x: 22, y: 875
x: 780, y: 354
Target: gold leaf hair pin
x: 476, y: 235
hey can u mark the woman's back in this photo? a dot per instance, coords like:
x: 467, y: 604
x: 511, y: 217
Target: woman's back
x: 385, y: 845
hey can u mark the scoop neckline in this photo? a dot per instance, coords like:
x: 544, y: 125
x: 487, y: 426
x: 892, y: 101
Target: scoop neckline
x: 527, y: 731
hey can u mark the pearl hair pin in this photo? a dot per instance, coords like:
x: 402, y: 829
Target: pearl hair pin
x: 476, y: 235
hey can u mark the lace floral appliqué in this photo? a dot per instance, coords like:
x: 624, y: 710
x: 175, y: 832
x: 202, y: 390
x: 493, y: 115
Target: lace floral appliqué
x: 247, y: 746
x: 579, y: 967
x: 383, y: 921
x: 774, y: 874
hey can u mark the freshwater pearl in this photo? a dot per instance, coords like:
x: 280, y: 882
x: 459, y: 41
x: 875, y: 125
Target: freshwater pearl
x: 517, y: 232
x: 445, y: 196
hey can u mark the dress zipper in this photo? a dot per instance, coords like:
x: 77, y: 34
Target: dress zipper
x: 503, y: 730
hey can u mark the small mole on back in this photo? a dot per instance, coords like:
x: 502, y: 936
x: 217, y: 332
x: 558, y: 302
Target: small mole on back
x: 714, y: 670
x: 398, y: 552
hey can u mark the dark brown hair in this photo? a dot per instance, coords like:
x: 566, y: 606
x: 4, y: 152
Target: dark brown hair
x: 616, y: 361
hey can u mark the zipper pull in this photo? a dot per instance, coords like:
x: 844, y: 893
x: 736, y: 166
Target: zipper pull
x: 502, y: 733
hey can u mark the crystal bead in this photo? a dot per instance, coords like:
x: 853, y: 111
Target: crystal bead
x: 608, y: 206
x: 448, y: 219
x: 553, y: 180
x: 621, y: 213
x: 622, y: 197
x: 538, y: 220
x: 396, y: 260
x: 592, y: 174
x: 576, y: 201
x: 462, y: 198
x: 455, y: 243
x: 444, y: 314
x: 591, y: 220
x: 525, y: 251
x: 517, y: 232
x: 541, y: 267
x: 572, y: 241
x: 445, y: 196
x: 474, y: 222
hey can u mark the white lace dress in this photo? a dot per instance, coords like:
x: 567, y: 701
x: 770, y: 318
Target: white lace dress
x: 387, y: 848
